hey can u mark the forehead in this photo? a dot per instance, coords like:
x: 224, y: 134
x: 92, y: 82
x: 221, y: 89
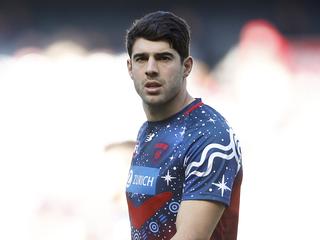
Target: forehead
x: 142, y: 45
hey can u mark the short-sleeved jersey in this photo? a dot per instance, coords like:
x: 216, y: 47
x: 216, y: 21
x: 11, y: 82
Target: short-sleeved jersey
x: 193, y: 155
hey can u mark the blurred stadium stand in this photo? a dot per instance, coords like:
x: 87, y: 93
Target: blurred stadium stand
x: 99, y: 24
x: 69, y: 113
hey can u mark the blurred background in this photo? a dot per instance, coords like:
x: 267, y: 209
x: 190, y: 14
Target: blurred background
x: 69, y: 114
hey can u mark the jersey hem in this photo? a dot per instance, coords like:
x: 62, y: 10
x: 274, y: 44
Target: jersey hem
x: 207, y: 198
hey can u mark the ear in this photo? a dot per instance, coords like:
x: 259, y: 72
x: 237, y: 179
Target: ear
x: 187, y: 66
x: 129, y: 66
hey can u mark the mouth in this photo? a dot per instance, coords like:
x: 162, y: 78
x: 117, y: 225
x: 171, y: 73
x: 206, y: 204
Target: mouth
x: 152, y: 87
x: 152, y: 84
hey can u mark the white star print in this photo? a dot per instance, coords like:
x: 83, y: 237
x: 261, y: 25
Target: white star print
x: 183, y: 131
x: 168, y: 178
x: 171, y: 158
x: 222, y: 185
x: 212, y: 120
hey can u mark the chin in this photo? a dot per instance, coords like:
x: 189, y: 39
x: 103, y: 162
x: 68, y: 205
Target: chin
x: 153, y: 100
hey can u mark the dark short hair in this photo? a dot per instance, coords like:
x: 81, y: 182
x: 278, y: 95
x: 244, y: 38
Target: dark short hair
x: 161, y: 26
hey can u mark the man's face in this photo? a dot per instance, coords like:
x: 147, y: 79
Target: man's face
x: 157, y: 71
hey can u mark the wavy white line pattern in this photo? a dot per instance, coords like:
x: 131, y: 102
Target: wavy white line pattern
x: 235, y: 153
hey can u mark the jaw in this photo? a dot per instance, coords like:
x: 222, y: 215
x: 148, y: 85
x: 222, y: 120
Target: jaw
x: 160, y: 107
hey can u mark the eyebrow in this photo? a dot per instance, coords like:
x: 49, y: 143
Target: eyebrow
x: 136, y: 55
x: 168, y: 54
x: 161, y: 54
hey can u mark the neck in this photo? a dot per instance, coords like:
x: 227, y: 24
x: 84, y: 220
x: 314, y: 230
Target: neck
x: 164, y: 111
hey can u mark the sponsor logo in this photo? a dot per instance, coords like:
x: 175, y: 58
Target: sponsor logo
x: 130, y: 177
x: 142, y: 180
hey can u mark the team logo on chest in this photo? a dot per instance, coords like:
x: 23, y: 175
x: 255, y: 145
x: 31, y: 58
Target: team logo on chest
x: 159, y: 149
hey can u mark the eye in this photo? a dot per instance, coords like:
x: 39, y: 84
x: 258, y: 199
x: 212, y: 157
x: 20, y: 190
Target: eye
x: 140, y: 59
x: 164, y: 58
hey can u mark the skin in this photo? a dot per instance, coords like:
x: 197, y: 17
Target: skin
x: 159, y: 77
x: 197, y: 219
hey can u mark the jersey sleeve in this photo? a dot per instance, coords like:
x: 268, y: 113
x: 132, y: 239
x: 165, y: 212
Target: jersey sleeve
x: 211, y: 166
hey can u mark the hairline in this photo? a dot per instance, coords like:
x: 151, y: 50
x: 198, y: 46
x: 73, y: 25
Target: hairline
x: 159, y: 40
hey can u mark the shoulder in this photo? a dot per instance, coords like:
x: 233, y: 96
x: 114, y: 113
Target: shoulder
x: 206, y: 121
x: 210, y: 132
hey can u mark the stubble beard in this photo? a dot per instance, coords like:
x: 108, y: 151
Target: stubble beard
x: 162, y: 104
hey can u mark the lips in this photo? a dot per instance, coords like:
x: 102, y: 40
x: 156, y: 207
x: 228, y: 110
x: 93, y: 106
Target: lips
x: 152, y: 87
x: 152, y: 84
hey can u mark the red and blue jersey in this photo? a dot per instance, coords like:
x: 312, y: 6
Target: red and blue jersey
x: 193, y: 155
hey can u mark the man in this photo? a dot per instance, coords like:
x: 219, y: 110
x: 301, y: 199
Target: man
x: 185, y: 176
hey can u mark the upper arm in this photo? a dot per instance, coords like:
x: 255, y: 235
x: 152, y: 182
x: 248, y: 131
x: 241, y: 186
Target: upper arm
x: 211, y: 167
x: 197, y: 219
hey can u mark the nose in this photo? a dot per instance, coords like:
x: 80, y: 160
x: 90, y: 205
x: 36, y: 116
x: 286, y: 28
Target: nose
x: 152, y: 68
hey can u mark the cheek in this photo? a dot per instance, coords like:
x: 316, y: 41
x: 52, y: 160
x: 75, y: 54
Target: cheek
x: 174, y: 73
x: 137, y: 73
x: 136, y: 81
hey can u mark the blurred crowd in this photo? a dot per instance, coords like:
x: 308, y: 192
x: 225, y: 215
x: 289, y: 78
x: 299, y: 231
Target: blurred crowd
x: 69, y: 119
